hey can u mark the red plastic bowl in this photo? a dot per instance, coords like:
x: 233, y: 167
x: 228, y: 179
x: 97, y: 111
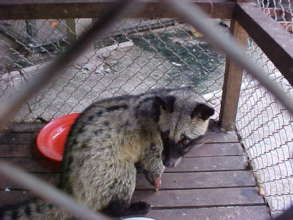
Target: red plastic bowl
x: 52, y: 137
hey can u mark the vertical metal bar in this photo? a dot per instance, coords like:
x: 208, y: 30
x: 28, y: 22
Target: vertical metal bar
x: 232, y: 82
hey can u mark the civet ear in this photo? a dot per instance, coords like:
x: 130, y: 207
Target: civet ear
x: 151, y: 107
x: 202, y: 111
x: 166, y: 102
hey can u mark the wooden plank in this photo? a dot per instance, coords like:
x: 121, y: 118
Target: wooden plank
x: 174, y: 198
x: 45, y: 9
x: 269, y: 36
x: 35, y: 165
x: 51, y: 178
x: 200, y: 197
x: 201, y: 180
x: 202, y: 164
x: 259, y: 212
x: 216, y: 149
x: 19, y: 150
x: 199, y: 164
x: 220, y: 137
x: 17, y: 138
x: 219, y: 213
x: 232, y: 82
x: 169, y: 180
x: 27, y: 127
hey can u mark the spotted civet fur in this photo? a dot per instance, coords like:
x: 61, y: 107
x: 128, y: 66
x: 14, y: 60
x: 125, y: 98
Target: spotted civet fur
x: 112, y: 135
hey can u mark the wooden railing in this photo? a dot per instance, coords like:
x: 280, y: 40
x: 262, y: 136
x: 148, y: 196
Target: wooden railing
x: 45, y: 9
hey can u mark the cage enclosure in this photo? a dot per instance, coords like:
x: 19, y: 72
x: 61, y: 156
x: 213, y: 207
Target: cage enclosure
x: 246, y: 171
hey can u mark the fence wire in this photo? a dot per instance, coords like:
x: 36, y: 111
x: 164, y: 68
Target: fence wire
x: 140, y: 55
x: 264, y: 126
x: 280, y: 10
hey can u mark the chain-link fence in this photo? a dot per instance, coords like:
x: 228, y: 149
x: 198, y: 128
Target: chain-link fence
x: 280, y: 11
x: 264, y: 126
x: 138, y: 56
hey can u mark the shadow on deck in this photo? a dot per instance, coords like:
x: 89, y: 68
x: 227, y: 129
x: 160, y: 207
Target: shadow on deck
x: 212, y: 182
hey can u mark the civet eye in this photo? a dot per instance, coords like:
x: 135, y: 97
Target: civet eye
x: 185, y: 140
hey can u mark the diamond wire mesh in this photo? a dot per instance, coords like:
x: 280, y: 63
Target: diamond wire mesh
x: 265, y: 128
x: 280, y: 10
x: 266, y: 133
x: 138, y: 56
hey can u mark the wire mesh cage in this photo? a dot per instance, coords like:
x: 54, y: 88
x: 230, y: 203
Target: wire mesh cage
x: 264, y: 126
x: 265, y: 129
x: 280, y: 11
x: 138, y: 56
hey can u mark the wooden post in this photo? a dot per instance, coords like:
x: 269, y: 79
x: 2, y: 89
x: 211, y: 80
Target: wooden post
x: 232, y: 82
x: 71, y: 29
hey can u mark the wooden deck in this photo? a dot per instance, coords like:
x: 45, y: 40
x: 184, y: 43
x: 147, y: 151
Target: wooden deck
x: 212, y: 182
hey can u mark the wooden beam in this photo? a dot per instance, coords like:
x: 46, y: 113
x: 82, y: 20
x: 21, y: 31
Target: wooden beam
x: 232, y: 83
x: 45, y: 9
x: 270, y: 36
